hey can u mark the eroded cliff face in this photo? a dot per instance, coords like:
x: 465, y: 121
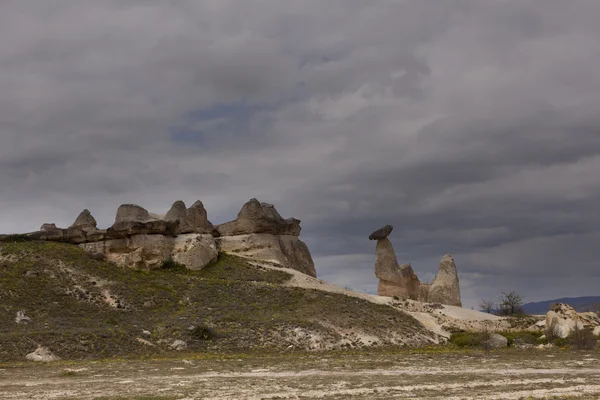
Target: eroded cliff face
x: 142, y: 240
x: 401, y: 281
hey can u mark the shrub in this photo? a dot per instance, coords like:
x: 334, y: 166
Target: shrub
x: 552, y: 332
x: 16, y: 238
x: 511, y: 303
x: 203, y: 332
x: 582, y: 339
x: 468, y: 339
x: 487, y: 305
x: 172, y: 265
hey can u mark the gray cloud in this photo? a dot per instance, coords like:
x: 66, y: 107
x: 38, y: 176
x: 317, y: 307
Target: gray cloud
x: 470, y: 126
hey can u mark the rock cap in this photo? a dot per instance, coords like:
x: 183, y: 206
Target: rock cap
x: 381, y: 233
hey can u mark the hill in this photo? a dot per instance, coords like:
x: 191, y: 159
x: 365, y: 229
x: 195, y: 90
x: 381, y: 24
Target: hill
x: 580, y: 304
x: 81, y: 306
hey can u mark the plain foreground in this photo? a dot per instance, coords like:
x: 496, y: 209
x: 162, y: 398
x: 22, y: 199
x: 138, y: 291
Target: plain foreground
x: 437, y: 373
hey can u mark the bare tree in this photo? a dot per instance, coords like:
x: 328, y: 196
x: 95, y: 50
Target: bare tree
x: 511, y: 303
x: 487, y: 305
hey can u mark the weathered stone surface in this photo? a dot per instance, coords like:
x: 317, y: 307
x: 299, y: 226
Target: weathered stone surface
x: 445, y: 288
x: 381, y: 233
x: 191, y: 220
x: 21, y: 318
x: 85, y: 220
x: 134, y: 220
x: 48, y: 227
x: 139, y: 251
x: 48, y: 232
x: 178, y: 345
x: 286, y: 250
x: 395, y: 280
x: 197, y: 218
x: 496, y: 341
x: 148, y: 252
x: 177, y: 212
x: 256, y: 217
x: 42, y: 354
x: 562, y: 319
x: 195, y: 251
x: 84, y: 230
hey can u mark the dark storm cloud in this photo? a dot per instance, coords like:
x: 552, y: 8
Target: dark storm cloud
x: 470, y: 126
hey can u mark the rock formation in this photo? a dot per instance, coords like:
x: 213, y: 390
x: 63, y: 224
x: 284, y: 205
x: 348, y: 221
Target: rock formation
x: 394, y: 279
x: 140, y: 239
x: 562, y: 320
x: 401, y: 281
x: 191, y: 220
x: 445, y: 288
x: 256, y: 217
x: 381, y: 233
x: 260, y: 233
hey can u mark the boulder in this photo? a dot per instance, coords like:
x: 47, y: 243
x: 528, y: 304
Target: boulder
x: 178, y: 345
x: 496, y: 341
x: 445, y: 288
x: 42, y: 354
x: 195, y: 251
x: 134, y: 220
x: 21, y: 318
x: 286, y: 250
x: 256, y: 217
x: 562, y: 320
x: 381, y: 233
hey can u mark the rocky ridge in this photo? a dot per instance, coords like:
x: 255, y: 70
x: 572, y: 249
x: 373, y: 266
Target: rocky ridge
x: 142, y: 240
x: 401, y: 281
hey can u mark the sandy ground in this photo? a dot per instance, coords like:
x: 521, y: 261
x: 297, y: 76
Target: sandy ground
x: 399, y: 374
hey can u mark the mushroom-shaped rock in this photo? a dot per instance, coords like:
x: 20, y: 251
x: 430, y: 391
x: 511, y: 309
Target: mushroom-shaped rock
x: 134, y: 220
x: 256, y: 217
x: 381, y: 233
x: 445, y: 288
x: 85, y: 220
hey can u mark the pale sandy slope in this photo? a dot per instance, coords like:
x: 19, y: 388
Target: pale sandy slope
x: 438, y: 320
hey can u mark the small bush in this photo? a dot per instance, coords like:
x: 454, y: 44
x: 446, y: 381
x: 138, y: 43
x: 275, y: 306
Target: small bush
x: 16, y: 238
x: 98, y: 256
x: 172, y: 265
x: 468, y: 339
x: 582, y: 339
x: 203, y: 332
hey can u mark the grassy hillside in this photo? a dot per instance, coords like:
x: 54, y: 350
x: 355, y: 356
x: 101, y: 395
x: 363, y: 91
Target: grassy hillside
x: 81, y: 307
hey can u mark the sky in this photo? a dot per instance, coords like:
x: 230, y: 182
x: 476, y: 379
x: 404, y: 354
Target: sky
x: 470, y: 126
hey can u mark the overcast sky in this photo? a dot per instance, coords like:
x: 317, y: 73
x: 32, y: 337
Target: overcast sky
x: 473, y: 127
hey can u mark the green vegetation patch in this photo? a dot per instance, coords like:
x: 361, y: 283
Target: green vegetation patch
x: 83, y: 307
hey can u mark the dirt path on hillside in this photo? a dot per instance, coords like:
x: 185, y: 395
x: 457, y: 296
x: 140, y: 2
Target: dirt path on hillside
x: 399, y: 375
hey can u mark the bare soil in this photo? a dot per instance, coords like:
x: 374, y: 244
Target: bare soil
x: 436, y: 373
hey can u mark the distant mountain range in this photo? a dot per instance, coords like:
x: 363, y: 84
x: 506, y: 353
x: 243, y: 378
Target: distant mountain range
x: 581, y: 304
